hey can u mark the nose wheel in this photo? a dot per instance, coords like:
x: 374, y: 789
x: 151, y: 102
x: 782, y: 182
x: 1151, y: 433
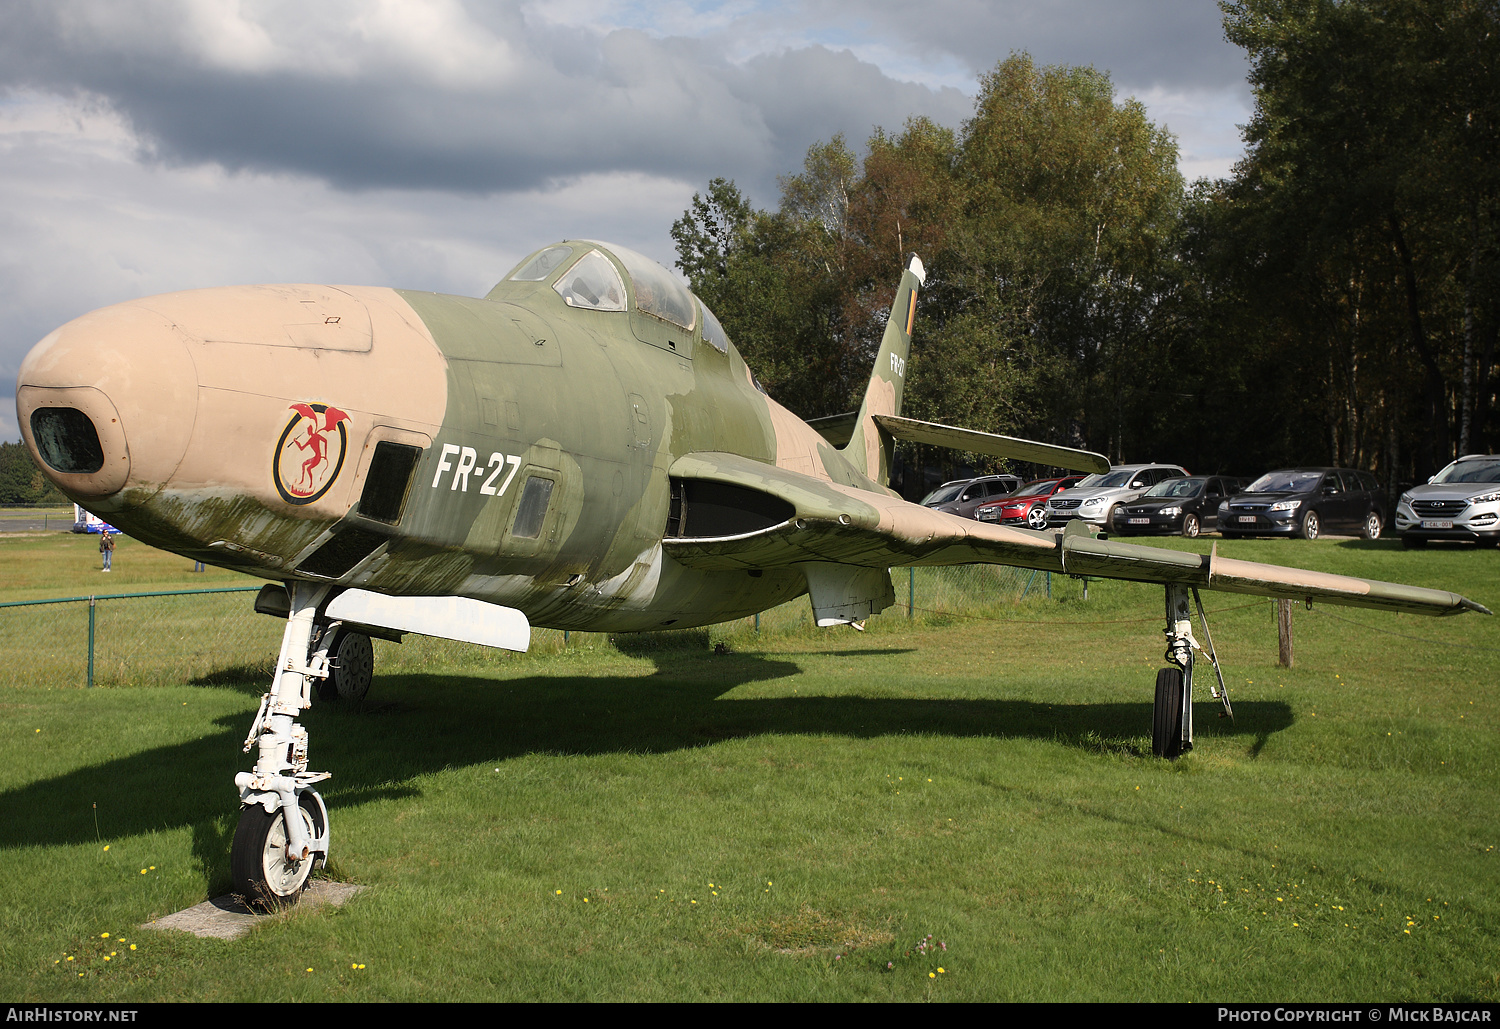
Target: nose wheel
x: 267, y: 871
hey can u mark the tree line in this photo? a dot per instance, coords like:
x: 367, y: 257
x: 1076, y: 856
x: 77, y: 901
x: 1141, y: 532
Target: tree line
x: 21, y: 481
x: 1335, y: 300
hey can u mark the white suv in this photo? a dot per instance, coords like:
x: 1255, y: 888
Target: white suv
x: 1096, y: 497
x: 1461, y: 502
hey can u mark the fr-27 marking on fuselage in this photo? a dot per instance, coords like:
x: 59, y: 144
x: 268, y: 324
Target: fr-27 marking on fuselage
x: 468, y: 461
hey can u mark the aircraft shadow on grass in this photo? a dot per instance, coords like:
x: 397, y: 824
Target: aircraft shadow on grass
x: 419, y: 723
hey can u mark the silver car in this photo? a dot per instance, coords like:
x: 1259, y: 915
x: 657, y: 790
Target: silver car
x: 1097, y: 496
x: 1461, y: 502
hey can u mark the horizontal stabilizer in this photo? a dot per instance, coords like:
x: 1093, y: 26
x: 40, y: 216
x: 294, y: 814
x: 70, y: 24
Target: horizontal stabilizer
x: 449, y: 618
x: 951, y: 436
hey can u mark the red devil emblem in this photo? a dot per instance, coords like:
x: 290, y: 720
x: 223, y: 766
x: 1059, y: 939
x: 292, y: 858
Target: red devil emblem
x: 316, y: 436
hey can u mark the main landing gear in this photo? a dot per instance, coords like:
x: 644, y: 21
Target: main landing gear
x: 283, y: 827
x: 1172, y: 715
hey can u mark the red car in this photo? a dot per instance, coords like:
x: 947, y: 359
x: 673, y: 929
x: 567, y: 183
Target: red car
x: 1026, y: 505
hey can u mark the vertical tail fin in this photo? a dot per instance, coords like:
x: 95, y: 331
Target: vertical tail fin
x: 870, y: 447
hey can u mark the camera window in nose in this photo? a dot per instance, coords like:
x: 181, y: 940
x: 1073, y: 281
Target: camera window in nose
x: 67, y: 440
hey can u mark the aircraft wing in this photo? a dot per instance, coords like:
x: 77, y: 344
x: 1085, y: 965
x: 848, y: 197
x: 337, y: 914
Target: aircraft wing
x: 811, y: 520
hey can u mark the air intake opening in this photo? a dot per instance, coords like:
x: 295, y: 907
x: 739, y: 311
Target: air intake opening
x: 67, y: 440
x: 702, y: 509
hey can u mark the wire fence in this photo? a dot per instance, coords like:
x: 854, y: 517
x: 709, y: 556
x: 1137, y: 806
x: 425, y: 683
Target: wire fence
x: 214, y: 635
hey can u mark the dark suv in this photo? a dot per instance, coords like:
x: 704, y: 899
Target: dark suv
x: 1306, y: 502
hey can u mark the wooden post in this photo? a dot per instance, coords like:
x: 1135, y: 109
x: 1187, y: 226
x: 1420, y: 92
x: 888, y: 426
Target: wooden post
x: 1284, y: 632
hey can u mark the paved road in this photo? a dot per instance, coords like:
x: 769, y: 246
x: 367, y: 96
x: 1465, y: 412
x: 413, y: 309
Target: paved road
x: 12, y: 522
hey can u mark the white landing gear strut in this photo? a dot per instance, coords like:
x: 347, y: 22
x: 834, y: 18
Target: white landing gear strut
x: 283, y: 827
x: 1172, y: 717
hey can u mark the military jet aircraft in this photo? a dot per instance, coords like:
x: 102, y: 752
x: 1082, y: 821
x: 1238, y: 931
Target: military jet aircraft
x: 582, y: 448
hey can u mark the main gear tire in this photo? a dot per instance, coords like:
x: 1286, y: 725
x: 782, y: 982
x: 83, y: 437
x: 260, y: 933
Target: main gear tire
x: 1166, y: 722
x: 351, y: 668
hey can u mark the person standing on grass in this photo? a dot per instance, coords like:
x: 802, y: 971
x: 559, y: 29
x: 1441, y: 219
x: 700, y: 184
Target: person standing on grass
x: 107, y: 547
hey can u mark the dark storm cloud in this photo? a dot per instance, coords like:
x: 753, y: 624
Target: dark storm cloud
x: 810, y: 94
x: 540, y: 104
x: 1176, y: 45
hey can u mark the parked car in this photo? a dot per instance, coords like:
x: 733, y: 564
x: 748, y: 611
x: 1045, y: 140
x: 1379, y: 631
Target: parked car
x: 1027, y: 505
x: 1461, y: 502
x: 962, y: 496
x: 1306, y: 502
x: 1189, y: 506
x: 1096, y: 497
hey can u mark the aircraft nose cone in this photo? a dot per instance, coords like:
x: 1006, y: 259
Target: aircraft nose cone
x: 107, y: 404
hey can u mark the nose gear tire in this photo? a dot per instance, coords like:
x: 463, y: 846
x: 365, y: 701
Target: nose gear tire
x: 263, y: 874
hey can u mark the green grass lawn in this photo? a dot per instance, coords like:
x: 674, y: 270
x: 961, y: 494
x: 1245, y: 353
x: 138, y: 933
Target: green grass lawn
x: 64, y: 564
x: 649, y: 819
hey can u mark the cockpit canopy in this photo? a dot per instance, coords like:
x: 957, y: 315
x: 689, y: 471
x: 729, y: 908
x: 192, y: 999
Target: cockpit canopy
x: 586, y: 278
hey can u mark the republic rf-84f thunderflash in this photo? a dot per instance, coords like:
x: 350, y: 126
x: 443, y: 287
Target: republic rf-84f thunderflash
x: 583, y: 448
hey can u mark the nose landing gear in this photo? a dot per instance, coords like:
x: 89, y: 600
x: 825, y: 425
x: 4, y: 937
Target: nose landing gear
x: 283, y: 828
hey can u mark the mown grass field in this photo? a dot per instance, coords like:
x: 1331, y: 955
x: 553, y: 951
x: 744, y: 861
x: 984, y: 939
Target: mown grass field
x: 785, y: 815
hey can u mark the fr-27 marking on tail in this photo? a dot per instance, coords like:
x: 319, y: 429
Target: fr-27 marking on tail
x: 468, y: 459
x: 898, y: 365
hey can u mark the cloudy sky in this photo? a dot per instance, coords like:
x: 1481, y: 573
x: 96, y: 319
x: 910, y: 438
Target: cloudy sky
x: 155, y: 145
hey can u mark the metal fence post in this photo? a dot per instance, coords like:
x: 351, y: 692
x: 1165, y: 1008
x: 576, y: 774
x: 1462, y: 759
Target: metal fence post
x: 91, y: 643
x: 1029, y: 581
x: 911, y: 593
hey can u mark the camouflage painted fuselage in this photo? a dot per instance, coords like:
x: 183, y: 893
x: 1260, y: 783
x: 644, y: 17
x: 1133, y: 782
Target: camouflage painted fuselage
x: 206, y: 454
